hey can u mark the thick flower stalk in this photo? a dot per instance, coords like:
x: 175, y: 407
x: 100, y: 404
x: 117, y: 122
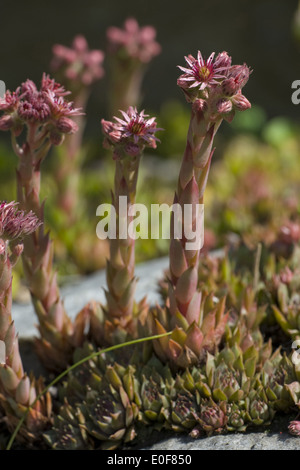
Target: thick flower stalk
x: 47, y: 118
x: 130, y: 49
x: 17, y: 390
x: 78, y: 68
x: 127, y: 137
x: 213, y: 87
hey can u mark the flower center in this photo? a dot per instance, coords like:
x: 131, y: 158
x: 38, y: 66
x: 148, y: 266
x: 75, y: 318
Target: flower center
x: 136, y: 127
x: 204, y: 73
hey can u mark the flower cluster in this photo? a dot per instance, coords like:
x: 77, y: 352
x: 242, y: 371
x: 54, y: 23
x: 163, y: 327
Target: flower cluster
x: 133, y: 42
x: 44, y: 107
x: 78, y: 63
x: 14, y: 223
x: 131, y: 134
x: 214, y: 85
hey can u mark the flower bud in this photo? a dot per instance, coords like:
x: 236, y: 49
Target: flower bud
x: 56, y: 138
x: 223, y: 60
x: 6, y: 122
x: 66, y: 125
x: 240, y: 102
x: 224, y: 106
x: 133, y: 150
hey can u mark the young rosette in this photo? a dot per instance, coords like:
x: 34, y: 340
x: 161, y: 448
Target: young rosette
x: 193, y: 336
x: 104, y: 415
x: 286, y: 301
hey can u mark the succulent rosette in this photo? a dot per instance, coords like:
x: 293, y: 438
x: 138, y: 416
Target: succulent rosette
x: 190, y: 339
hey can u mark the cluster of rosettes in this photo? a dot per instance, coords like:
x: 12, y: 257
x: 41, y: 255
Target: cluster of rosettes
x: 130, y: 135
x: 215, y: 85
x: 78, y: 63
x: 44, y: 107
x: 15, y: 224
x: 133, y: 42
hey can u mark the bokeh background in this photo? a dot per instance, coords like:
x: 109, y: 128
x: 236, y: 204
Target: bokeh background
x: 256, y: 164
x: 258, y: 32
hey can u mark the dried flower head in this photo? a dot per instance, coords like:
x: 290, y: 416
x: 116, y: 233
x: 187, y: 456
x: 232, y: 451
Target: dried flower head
x: 133, y: 41
x: 15, y: 223
x: 78, y: 63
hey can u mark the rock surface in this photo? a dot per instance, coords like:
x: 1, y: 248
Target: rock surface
x: 78, y: 293
x: 238, y: 441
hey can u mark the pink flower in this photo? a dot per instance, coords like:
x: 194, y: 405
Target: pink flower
x: 15, y: 223
x: 45, y: 106
x: 9, y: 103
x: 136, y: 42
x: 136, y: 128
x: 132, y: 133
x: 202, y: 73
x: 49, y: 84
x: 78, y: 63
x: 59, y: 106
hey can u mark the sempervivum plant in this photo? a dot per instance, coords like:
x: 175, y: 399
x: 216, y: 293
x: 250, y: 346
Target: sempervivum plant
x: 78, y: 68
x: 286, y: 307
x: 190, y: 339
x: 127, y: 137
x: 157, y: 388
x: 214, y: 88
x: 130, y: 49
x: 67, y: 432
x: 46, y: 116
x: 17, y: 390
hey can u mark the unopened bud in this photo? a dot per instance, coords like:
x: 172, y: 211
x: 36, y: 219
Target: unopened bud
x: 223, y: 60
x: 6, y: 122
x: 240, y: 102
x: 133, y: 150
x: 224, y: 106
x: 66, y: 125
x: 56, y: 138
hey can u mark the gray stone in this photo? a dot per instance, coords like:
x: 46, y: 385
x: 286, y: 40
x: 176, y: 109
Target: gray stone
x: 78, y: 293
x: 238, y: 441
